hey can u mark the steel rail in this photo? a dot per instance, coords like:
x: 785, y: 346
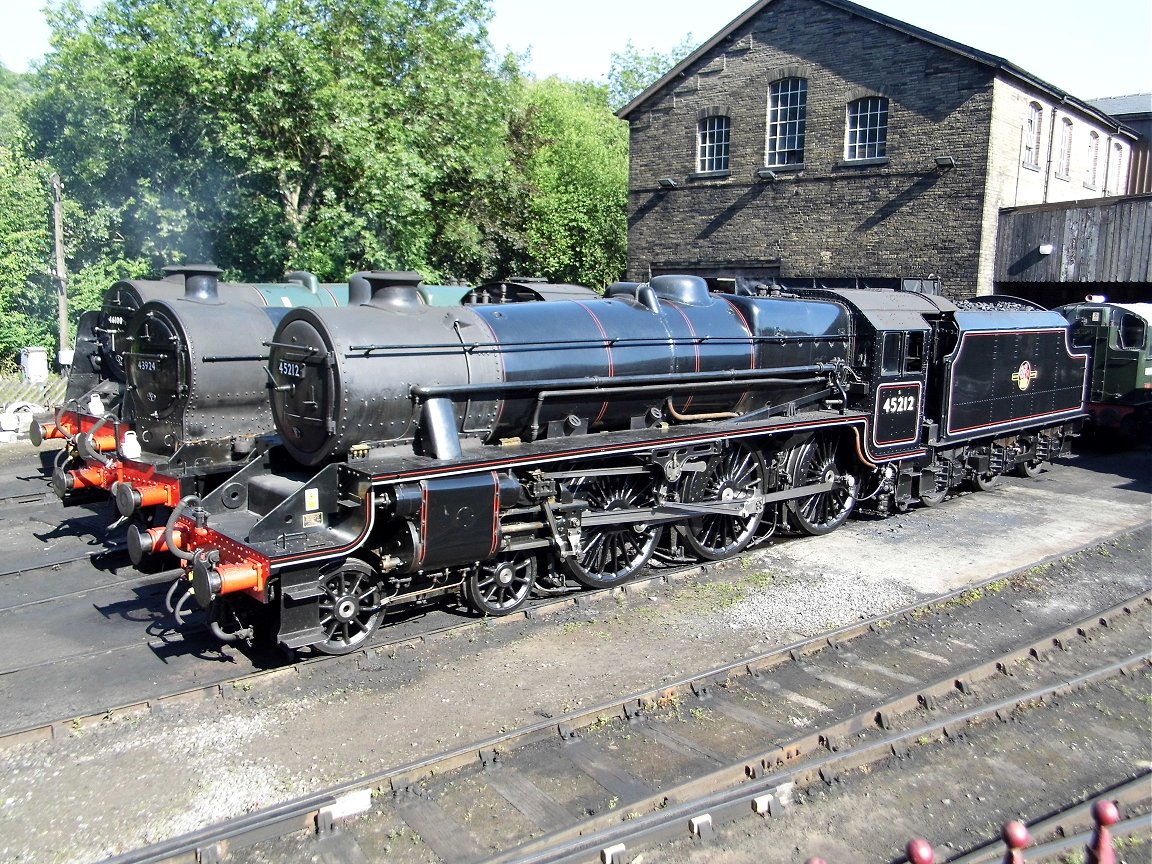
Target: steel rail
x: 49, y: 730
x: 746, y: 783
x: 79, y: 592
x: 745, y: 786
x: 1069, y: 825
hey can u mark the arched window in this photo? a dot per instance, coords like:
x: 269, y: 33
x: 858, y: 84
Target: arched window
x: 1032, y: 126
x: 867, y: 128
x: 1064, y: 160
x: 715, y: 132
x: 1116, y: 179
x: 1093, y: 160
x: 787, y: 115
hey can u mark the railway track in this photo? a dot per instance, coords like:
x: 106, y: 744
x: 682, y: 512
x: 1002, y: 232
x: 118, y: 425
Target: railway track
x: 273, y: 668
x: 388, y: 640
x: 400, y: 675
x: 27, y: 499
x: 679, y: 759
x: 40, y: 586
x: 107, y: 556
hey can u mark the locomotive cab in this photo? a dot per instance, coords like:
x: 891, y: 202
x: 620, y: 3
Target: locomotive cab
x: 895, y: 341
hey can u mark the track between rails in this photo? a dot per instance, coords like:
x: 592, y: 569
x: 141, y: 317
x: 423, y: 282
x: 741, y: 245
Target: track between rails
x: 583, y: 771
x: 27, y: 499
x: 54, y: 567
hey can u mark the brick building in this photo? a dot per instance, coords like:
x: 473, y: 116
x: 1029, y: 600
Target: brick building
x: 819, y: 138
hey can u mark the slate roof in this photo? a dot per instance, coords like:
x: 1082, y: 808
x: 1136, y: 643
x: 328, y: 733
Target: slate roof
x: 1122, y: 107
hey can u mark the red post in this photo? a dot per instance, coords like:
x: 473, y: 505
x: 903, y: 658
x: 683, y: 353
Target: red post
x: 815, y: 861
x: 1016, y: 837
x: 920, y: 851
x: 1099, y: 850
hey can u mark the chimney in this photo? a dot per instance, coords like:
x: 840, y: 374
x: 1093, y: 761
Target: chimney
x: 200, y: 281
x: 394, y: 289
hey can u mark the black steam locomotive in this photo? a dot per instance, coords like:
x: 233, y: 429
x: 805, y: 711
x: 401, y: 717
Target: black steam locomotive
x: 493, y: 451
x: 109, y: 421
x: 168, y: 392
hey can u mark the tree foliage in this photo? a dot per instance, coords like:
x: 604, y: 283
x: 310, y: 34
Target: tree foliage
x: 27, y: 295
x: 575, y: 165
x: 273, y: 134
x: 633, y: 71
x: 327, y: 135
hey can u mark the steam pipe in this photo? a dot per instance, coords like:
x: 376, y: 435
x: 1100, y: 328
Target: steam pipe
x: 170, y: 527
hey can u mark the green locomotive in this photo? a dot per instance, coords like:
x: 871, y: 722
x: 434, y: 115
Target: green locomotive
x: 1118, y: 336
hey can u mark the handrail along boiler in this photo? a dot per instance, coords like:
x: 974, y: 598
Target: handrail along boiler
x: 493, y: 452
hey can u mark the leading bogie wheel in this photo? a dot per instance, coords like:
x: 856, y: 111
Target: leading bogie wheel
x: 939, y: 491
x: 985, y: 482
x: 612, y: 554
x: 501, y: 585
x: 733, y: 476
x: 819, y: 460
x: 350, y: 608
x: 1028, y: 468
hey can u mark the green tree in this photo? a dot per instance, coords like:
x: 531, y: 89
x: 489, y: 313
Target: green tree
x: 632, y: 71
x: 274, y: 134
x: 27, y: 295
x: 15, y: 92
x: 574, y: 155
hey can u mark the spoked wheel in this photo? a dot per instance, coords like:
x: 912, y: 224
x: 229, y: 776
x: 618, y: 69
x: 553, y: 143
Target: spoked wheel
x: 502, y: 585
x: 734, y: 475
x: 818, y: 460
x: 611, y: 554
x: 351, y: 607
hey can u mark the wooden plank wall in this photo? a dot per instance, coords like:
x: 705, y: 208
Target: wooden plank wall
x: 1106, y: 242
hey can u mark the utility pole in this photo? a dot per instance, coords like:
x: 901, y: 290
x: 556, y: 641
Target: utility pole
x: 61, y: 274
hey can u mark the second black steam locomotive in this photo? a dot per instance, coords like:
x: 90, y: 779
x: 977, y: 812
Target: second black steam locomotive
x: 496, y: 451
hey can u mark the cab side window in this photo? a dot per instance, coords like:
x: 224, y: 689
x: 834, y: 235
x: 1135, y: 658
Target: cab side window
x: 914, y: 356
x: 1132, y: 333
x: 892, y: 361
x: 903, y: 353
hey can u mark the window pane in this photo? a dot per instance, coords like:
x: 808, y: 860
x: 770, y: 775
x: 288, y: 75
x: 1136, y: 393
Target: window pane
x: 1093, y: 158
x: 1116, y: 181
x: 891, y: 362
x: 787, y: 115
x: 914, y: 360
x: 714, y: 136
x: 1131, y: 332
x: 1032, y: 135
x: 867, y: 128
x: 1064, y: 160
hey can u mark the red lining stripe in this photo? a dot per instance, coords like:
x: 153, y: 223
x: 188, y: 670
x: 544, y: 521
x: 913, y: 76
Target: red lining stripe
x: 608, y: 349
x: 695, y: 347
